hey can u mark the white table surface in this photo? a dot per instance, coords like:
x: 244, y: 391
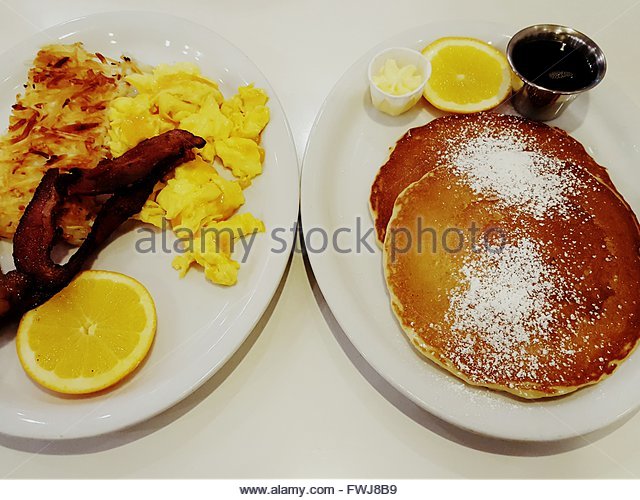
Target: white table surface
x: 297, y: 400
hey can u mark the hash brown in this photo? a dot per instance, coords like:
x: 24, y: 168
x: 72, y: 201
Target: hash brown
x: 59, y: 121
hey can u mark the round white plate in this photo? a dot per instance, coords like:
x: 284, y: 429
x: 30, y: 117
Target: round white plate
x: 200, y: 325
x: 349, y: 142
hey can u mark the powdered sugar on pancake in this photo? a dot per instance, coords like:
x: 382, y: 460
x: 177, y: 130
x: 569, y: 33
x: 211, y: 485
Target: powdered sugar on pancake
x: 505, y: 294
x: 502, y: 306
x: 505, y: 167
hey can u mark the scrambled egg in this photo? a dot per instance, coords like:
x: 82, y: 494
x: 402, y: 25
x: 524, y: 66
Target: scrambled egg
x: 197, y: 201
x: 212, y: 249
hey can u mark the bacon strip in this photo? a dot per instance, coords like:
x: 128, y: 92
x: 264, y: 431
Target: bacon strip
x: 137, y: 164
x: 129, y: 179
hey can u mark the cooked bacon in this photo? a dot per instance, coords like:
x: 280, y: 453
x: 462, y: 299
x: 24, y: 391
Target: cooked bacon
x: 129, y: 179
x: 138, y: 163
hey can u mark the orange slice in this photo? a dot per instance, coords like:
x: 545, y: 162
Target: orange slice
x: 467, y: 75
x: 90, y: 335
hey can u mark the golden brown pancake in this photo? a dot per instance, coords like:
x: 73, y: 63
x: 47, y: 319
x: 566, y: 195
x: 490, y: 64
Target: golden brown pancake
x: 424, y: 148
x: 541, y: 298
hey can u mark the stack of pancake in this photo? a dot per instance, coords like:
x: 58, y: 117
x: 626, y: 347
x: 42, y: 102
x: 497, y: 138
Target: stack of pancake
x: 510, y: 258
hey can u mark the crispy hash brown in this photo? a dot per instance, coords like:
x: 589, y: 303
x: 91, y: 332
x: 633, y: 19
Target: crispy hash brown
x: 59, y: 121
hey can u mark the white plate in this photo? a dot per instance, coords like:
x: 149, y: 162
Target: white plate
x: 200, y: 325
x: 349, y: 142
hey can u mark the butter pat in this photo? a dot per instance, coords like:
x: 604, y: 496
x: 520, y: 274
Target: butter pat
x: 396, y: 79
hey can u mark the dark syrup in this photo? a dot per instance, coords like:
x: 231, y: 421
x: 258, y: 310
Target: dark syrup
x: 554, y: 64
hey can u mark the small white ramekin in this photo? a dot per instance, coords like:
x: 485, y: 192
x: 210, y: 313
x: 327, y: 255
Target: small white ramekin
x: 396, y: 104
